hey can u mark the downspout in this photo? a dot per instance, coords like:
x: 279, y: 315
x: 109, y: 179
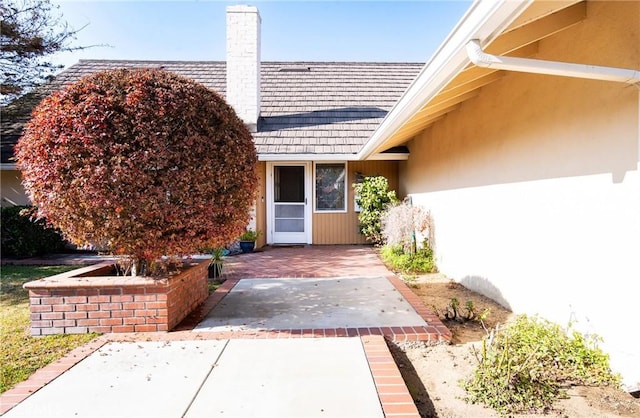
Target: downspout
x: 566, y: 69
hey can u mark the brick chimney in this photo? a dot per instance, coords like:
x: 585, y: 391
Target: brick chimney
x: 243, y: 63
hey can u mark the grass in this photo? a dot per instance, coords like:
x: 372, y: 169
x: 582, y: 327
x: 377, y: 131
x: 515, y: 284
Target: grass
x: 20, y: 353
x: 420, y: 262
x: 213, y: 286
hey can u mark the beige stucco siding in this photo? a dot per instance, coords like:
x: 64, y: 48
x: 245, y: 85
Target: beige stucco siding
x: 534, y: 185
x: 12, y: 192
x: 342, y: 228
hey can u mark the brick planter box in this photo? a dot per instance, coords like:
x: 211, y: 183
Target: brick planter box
x: 89, y: 299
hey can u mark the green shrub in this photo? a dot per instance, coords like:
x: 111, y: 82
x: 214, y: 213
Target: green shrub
x: 24, y: 236
x: 419, y: 262
x: 524, y: 366
x: 373, y: 197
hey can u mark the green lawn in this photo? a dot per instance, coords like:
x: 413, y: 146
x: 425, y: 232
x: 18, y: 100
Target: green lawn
x: 20, y: 354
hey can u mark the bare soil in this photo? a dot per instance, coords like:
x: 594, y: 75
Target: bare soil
x: 432, y: 374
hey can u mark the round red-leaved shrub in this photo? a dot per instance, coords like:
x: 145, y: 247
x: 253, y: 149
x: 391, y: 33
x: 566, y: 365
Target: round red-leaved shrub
x: 143, y: 161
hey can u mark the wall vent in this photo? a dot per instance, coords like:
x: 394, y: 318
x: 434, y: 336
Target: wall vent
x: 294, y: 69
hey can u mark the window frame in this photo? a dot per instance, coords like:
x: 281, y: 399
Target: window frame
x: 346, y: 190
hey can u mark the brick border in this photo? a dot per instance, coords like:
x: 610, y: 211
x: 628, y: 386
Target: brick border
x: 200, y: 312
x: 425, y: 312
x: 392, y: 390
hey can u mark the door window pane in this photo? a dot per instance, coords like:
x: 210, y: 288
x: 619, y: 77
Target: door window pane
x: 289, y: 225
x: 331, y: 187
x: 290, y: 211
x: 289, y: 183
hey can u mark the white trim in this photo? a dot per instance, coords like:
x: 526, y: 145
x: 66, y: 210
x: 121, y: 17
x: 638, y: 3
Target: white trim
x: 8, y: 166
x: 485, y: 20
x: 308, y: 213
x: 307, y: 157
x: 346, y: 190
x: 389, y: 156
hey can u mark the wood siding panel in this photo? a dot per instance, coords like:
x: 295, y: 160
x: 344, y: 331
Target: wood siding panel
x: 342, y: 228
x: 261, y: 204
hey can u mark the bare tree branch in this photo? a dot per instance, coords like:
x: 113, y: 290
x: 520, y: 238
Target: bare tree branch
x: 30, y: 32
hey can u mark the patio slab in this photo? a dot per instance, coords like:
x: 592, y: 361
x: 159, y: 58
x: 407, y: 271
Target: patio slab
x: 327, y: 377
x: 282, y: 304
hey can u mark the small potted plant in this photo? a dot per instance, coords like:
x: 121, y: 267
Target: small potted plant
x: 248, y: 240
x: 215, y: 267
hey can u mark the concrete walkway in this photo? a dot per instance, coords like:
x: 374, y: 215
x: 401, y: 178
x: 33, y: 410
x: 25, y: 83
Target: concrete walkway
x: 243, y: 353
x: 327, y: 377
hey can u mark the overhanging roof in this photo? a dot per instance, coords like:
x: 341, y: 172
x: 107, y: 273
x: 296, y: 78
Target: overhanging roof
x: 506, y: 28
x: 309, y: 110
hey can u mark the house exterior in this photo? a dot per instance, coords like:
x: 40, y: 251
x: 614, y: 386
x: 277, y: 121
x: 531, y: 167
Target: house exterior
x: 308, y: 119
x: 530, y: 169
x: 533, y: 178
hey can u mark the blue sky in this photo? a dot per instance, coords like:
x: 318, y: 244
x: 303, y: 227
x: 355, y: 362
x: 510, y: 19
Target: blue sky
x: 291, y: 30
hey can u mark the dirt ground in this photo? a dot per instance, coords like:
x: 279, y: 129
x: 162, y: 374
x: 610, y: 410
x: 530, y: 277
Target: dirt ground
x: 433, y: 374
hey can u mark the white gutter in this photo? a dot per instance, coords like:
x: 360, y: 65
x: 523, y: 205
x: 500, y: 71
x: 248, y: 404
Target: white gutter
x: 306, y: 157
x: 329, y: 157
x: 566, y: 69
x: 485, y: 20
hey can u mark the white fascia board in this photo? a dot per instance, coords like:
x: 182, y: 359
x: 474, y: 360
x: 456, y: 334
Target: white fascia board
x: 8, y: 166
x: 389, y: 156
x: 307, y: 157
x: 485, y: 20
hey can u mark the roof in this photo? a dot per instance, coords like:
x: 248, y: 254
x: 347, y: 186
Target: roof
x: 511, y: 28
x: 318, y: 108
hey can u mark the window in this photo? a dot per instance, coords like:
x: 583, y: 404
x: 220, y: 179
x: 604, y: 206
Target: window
x: 331, y: 181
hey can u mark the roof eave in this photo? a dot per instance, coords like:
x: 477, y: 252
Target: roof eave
x: 307, y: 157
x: 485, y: 20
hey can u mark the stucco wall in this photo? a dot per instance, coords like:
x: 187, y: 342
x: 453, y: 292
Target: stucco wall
x: 535, y: 190
x: 12, y: 191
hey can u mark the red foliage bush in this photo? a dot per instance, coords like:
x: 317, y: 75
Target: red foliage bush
x: 143, y: 161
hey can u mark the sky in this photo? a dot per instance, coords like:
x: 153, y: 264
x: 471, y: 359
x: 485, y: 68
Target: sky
x: 389, y: 31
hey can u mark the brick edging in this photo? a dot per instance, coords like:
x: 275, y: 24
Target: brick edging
x: 200, y: 313
x: 395, y: 399
x: 426, y: 313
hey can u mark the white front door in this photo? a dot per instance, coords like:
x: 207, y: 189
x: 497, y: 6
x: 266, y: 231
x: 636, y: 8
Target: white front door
x: 289, y: 203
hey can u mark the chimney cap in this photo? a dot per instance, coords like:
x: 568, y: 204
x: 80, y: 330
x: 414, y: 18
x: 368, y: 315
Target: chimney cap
x: 242, y: 8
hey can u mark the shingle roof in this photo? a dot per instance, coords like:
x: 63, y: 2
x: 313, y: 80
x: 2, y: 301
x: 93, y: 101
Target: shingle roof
x: 306, y: 107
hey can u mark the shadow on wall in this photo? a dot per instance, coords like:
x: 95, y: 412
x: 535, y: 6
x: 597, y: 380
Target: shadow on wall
x: 483, y: 286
